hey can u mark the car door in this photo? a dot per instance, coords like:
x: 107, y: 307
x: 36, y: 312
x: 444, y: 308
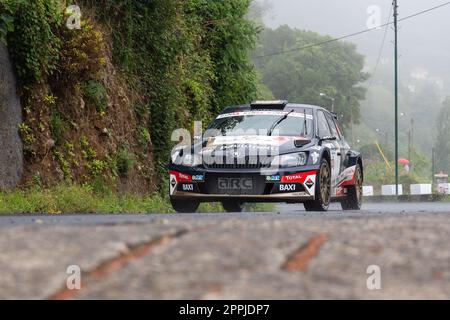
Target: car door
x: 325, y: 131
x: 343, y: 145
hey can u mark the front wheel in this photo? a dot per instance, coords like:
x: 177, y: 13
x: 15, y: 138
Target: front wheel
x: 185, y: 206
x: 353, y: 200
x: 323, y: 189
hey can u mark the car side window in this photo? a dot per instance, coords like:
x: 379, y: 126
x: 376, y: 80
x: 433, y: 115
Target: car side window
x: 322, y: 124
x: 334, y: 129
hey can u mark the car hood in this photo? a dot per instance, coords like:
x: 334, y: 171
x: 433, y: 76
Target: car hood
x: 276, y: 144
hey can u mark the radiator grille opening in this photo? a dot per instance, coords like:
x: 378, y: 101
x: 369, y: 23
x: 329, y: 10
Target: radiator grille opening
x: 235, y: 184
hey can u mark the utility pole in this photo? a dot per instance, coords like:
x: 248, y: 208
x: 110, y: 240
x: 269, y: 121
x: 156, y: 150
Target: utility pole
x: 433, y: 164
x: 411, y: 144
x: 352, y: 125
x: 409, y: 148
x: 396, y: 93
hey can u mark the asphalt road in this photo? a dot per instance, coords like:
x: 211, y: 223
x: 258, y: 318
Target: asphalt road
x: 287, y: 254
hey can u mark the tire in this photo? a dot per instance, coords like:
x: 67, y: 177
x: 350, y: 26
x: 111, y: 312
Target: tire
x: 185, y: 206
x: 323, y: 189
x: 353, y: 200
x: 232, y: 206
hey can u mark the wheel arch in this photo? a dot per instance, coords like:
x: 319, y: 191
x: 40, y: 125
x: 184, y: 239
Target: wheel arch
x: 326, y: 155
x: 354, y: 158
x: 360, y: 163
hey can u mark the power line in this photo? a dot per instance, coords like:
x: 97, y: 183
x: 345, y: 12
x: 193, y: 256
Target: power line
x: 352, y: 34
x: 380, y: 52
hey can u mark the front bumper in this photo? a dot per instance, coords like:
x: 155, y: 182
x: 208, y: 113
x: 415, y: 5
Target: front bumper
x: 286, y: 197
x: 207, y: 185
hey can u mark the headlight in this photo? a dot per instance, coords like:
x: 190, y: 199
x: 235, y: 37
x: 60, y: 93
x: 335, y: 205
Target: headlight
x: 192, y: 160
x: 290, y: 160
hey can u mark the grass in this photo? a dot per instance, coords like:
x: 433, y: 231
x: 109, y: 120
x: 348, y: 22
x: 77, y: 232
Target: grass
x: 82, y: 199
x: 78, y: 199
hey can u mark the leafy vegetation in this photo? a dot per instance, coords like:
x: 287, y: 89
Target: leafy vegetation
x: 124, y: 161
x: 58, y: 127
x: 78, y: 199
x: 70, y: 198
x: 7, y: 8
x: 33, y: 45
x: 95, y: 93
x: 159, y: 66
x: 187, y: 60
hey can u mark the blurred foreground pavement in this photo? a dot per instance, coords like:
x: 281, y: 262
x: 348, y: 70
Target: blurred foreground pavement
x: 286, y: 255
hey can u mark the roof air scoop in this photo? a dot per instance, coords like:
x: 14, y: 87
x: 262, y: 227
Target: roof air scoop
x: 276, y: 104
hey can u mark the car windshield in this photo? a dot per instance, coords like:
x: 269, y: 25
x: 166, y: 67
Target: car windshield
x: 274, y: 123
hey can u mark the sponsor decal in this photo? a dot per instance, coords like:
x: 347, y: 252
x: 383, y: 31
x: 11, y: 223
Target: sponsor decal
x: 287, y: 187
x: 298, y: 177
x: 188, y: 187
x: 347, y: 177
x: 184, y: 177
x: 181, y: 177
x: 309, y: 183
x: 249, y: 140
x: 198, y: 177
x: 172, y: 183
x: 264, y: 113
x: 273, y: 178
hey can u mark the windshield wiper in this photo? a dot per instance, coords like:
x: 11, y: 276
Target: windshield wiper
x: 305, y: 129
x: 276, y: 123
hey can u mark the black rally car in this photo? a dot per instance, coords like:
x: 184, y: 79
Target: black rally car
x: 268, y: 151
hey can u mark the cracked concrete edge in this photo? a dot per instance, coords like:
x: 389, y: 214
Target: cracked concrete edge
x: 300, y: 259
x: 120, y: 261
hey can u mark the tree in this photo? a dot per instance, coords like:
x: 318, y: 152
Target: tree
x: 228, y: 37
x: 186, y: 60
x: 443, y: 141
x: 335, y: 69
x: 7, y: 10
x: 259, y: 10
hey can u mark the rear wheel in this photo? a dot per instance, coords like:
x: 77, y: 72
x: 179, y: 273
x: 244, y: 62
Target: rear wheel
x: 185, y: 206
x: 353, y: 201
x: 323, y: 189
x: 232, y: 206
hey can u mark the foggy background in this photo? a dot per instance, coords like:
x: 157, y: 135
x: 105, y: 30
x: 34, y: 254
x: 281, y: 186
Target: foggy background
x: 424, y: 63
x: 423, y: 40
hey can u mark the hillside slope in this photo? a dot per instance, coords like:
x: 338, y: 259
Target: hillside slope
x: 100, y: 102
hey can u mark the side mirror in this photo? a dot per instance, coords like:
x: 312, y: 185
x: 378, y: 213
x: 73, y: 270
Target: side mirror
x: 300, y: 142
